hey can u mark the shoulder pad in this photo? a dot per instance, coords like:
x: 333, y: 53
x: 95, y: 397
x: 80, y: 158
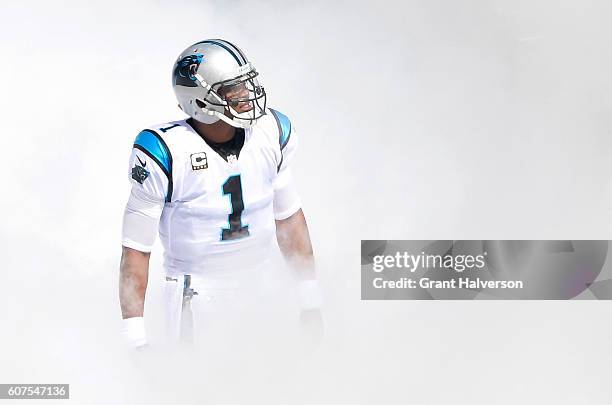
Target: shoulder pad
x: 154, y: 146
x: 284, y: 127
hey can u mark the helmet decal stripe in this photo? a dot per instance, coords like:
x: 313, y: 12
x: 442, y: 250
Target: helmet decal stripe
x: 244, y: 59
x: 210, y: 41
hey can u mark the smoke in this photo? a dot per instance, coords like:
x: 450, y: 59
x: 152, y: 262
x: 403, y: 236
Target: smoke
x: 417, y: 120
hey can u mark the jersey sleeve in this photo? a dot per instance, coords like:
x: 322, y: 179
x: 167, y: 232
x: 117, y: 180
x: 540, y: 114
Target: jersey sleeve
x: 150, y: 169
x: 286, y: 198
x: 150, y: 172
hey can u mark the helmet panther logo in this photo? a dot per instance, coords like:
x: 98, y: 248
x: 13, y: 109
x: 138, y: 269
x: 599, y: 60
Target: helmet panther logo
x: 185, y: 70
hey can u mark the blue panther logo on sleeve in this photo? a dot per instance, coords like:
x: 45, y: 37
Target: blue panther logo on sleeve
x: 185, y: 70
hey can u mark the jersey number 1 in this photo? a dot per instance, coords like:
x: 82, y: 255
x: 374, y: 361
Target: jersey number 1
x: 233, y: 187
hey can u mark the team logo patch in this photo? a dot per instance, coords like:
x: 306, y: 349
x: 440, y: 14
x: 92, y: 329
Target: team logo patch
x: 139, y: 173
x: 199, y: 161
x: 185, y: 69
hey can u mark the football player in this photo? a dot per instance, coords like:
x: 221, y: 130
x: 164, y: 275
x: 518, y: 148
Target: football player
x: 218, y: 189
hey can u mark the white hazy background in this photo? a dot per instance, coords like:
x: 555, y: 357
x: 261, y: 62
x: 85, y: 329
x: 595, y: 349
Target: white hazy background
x: 421, y: 119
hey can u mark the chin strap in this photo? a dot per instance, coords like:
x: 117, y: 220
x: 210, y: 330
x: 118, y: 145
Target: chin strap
x: 236, y: 123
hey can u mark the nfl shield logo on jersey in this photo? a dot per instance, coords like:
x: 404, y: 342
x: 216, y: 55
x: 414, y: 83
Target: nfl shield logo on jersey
x: 199, y: 161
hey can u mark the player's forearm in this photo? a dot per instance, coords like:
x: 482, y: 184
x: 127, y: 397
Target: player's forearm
x: 294, y: 242
x: 134, y: 274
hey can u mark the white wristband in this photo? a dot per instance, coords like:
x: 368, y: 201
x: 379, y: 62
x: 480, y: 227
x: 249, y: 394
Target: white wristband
x: 310, y: 295
x: 133, y: 331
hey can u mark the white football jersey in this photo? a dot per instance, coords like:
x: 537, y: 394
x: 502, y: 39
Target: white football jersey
x: 215, y: 214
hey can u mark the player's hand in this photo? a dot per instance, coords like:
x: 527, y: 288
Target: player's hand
x: 312, y: 329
